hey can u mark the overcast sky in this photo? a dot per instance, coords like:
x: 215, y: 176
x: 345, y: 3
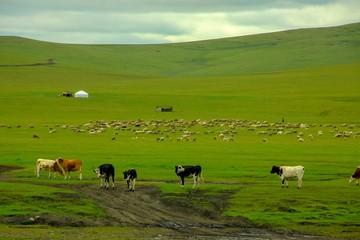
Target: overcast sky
x: 164, y: 21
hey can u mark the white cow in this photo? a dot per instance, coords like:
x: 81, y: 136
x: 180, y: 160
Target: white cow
x: 45, y: 164
x: 286, y: 172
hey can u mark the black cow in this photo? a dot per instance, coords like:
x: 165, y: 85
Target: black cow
x: 105, y: 171
x: 130, y: 178
x: 189, y: 171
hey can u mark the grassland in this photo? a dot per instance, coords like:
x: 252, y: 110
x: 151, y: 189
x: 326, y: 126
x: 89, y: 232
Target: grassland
x: 308, y: 76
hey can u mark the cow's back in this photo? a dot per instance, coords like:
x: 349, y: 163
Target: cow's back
x: 292, y: 171
x: 357, y: 173
x: 72, y: 165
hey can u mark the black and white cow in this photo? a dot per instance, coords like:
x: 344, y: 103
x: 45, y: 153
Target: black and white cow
x: 286, y: 172
x: 104, y: 172
x: 130, y: 178
x: 189, y: 171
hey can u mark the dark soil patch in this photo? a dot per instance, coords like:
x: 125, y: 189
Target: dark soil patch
x: 7, y: 168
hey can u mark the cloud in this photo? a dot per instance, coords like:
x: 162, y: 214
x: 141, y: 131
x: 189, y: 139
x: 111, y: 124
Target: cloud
x: 162, y: 21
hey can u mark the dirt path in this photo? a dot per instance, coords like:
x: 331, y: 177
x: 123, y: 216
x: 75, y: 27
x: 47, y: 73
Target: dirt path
x: 146, y: 208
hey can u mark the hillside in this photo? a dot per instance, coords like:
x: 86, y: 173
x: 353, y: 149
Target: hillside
x: 304, y: 75
x: 272, y: 52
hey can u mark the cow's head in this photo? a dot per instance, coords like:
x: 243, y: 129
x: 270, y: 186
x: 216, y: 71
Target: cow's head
x: 60, y: 160
x: 126, y: 174
x: 179, y: 169
x: 275, y: 169
x: 99, y: 173
x: 58, y: 166
x: 129, y: 174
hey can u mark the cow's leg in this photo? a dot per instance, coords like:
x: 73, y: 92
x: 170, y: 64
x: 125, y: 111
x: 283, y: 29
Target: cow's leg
x: 113, y: 182
x: 195, y: 181
x: 101, y: 182
x: 357, y: 181
x: 80, y: 174
x: 182, y: 181
x: 133, y: 184
x: 287, y: 183
x: 282, y: 183
x: 299, y: 183
x: 49, y: 174
x: 128, y: 184
x: 107, y: 182
x: 37, y: 170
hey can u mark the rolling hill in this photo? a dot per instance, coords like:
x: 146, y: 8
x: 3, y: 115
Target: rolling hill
x: 302, y: 75
x: 272, y: 52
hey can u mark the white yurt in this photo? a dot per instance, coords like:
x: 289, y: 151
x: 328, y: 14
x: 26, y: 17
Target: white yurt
x: 81, y: 94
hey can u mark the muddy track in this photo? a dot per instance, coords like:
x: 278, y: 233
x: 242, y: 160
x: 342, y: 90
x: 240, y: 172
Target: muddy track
x: 146, y: 207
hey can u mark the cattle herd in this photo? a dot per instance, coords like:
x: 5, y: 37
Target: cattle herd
x: 65, y: 166
x: 179, y: 130
x: 107, y: 171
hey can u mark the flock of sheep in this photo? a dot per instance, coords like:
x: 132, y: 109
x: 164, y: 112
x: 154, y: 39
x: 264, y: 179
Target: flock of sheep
x: 226, y: 130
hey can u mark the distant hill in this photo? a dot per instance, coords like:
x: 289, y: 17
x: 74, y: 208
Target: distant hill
x: 261, y: 53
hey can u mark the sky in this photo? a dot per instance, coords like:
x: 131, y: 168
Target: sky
x: 165, y: 21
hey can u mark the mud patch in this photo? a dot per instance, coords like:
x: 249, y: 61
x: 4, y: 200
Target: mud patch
x: 7, y: 168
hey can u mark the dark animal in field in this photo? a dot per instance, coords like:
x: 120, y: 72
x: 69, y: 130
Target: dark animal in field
x: 189, y: 171
x: 67, y: 94
x: 130, y: 178
x: 105, y: 171
x: 355, y: 176
x: 286, y: 172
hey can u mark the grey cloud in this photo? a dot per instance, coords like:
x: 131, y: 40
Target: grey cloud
x: 149, y: 21
x: 148, y: 6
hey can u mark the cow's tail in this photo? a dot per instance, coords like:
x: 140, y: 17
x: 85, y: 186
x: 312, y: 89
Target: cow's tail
x: 302, y: 174
x: 60, y: 166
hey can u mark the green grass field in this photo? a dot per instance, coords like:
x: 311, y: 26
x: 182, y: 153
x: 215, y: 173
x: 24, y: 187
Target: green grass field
x: 308, y: 76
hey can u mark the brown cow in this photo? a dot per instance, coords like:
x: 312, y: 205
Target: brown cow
x: 66, y: 166
x: 355, y: 176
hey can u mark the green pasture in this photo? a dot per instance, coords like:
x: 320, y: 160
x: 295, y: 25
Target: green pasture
x: 303, y: 76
